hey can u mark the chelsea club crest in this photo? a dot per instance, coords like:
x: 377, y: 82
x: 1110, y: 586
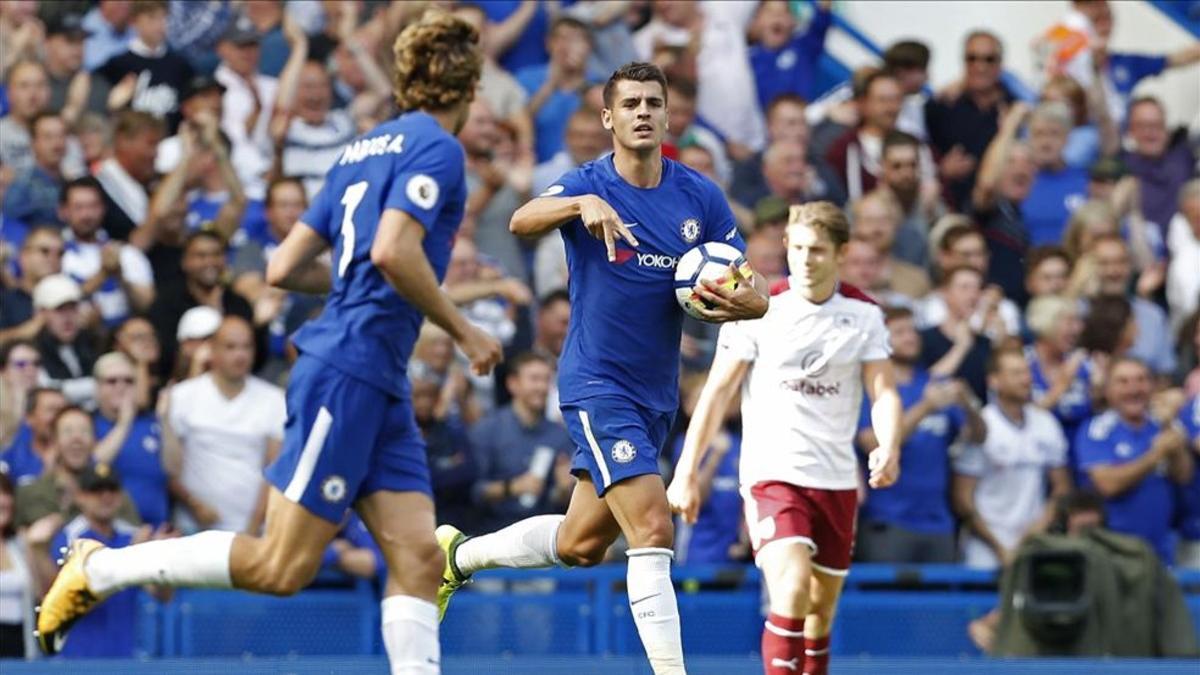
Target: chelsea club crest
x: 690, y: 229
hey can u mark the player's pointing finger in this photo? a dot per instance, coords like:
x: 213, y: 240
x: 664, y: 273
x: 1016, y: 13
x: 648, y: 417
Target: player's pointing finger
x: 610, y: 244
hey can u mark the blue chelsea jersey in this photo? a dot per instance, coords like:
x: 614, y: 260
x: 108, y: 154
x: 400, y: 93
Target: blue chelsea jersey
x: 410, y: 163
x: 1145, y: 509
x: 624, y: 331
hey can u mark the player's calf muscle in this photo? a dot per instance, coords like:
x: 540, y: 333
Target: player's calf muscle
x: 260, y: 565
x: 583, y: 552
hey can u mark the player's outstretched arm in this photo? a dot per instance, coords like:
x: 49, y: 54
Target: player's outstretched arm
x: 543, y: 214
x: 400, y: 258
x: 724, y: 378
x: 886, y: 416
x: 294, y: 265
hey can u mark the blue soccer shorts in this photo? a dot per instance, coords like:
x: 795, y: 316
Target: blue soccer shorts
x: 345, y: 439
x: 615, y: 439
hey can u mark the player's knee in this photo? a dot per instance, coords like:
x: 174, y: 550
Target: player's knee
x: 655, y: 530
x: 789, y: 582
x: 278, y: 571
x: 289, y: 577
x: 416, y: 564
x: 793, y: 591
x: 432, y: 562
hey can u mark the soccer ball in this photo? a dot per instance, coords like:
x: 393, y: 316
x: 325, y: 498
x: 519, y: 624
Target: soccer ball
x: 709, y: 260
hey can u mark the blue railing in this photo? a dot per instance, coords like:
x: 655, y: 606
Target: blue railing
x: 887, y: 610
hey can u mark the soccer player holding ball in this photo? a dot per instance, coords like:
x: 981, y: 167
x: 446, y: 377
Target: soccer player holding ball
x: 625, y: 219
x: 389, y: 211
x: 802, y: 368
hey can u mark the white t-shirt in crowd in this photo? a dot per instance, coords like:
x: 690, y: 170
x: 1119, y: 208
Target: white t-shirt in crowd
x: 81, y: 261
x: 225, y: 444
x: 802, y: 395
x: 1011, y: 466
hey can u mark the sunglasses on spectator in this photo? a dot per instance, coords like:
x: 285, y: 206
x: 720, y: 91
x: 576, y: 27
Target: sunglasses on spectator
x: 116, y: 380
x: 26, y: 363
x: 990, y: 59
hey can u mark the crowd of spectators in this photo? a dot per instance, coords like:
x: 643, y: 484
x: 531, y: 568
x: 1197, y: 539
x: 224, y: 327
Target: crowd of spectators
x: 1037, y: 259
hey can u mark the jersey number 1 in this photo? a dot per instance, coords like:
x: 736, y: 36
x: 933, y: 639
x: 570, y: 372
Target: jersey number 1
x: 351, y: 198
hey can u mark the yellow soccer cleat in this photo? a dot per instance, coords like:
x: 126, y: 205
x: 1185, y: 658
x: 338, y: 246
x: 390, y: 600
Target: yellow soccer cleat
x: 68, y: 599
x: 449, y: 538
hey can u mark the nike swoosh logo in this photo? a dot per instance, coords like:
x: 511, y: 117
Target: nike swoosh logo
x: 634, y: 602
x: 630, y: 224
x: 790, y: 664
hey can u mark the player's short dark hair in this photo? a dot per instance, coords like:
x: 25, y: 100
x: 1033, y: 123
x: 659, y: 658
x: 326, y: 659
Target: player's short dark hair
x: 525, y: 358
x: 635, y: 71
x: 437, y: 63
x: 823, y: 216
x: 564, y: 21
x: 896, y: 139
x: 949, y: 274
x: 907, y: 54
x: 957, y: 233
x: 1041, y: 254
x: 896, y: 312
x: 283, y: 180
x: 996, y: 358
x: 81, y: 183
x: 784, y: 99
x: 557, y: 295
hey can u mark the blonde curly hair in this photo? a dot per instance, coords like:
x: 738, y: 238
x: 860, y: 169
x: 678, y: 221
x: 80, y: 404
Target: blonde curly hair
x: 437, y: 63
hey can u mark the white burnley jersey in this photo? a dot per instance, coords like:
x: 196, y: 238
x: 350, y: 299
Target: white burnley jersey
x: 802, y: 395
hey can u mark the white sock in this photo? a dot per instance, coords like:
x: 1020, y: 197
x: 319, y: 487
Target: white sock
x: 655, y: 613
x: 527, y: 543
x: 410, y: 635
x: 198, y: 561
